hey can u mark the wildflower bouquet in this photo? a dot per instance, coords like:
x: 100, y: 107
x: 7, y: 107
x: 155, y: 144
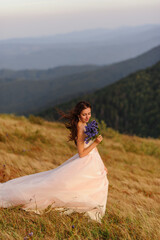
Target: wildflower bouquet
x: 92, y: 131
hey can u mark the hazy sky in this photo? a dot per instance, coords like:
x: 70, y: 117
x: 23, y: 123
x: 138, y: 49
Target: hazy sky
x: 25, y: 18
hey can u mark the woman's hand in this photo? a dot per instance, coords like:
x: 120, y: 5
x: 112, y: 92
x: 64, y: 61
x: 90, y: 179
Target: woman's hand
x: 99, y: 139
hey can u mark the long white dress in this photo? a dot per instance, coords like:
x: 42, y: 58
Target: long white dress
x: 79, y: 184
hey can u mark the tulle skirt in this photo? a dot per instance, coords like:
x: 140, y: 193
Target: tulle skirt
x: 77, y: 185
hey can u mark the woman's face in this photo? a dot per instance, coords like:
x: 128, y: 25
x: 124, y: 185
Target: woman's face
x: 85, y: 115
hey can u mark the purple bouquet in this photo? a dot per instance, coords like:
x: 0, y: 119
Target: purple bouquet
x: 92, y: 131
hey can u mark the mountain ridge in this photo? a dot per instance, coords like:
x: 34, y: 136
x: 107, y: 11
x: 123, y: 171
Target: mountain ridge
x: 100, y: 47
x: 28, y: 96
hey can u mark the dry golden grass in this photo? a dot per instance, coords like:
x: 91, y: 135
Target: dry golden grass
x: 32, y: 145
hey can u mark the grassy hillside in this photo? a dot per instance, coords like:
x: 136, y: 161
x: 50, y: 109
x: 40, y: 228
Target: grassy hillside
x: 32, y: 145
x: 25, y: 96
x: 131, y: 105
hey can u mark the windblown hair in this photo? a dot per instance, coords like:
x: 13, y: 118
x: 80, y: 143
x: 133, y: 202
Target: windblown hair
x: 72, y: 118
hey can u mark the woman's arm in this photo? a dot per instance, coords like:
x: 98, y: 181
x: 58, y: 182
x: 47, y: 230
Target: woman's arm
x: 80, y: 142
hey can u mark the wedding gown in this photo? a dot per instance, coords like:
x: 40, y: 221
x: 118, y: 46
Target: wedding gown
x: 79, y: 184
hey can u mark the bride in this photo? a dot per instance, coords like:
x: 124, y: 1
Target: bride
x: 78, y: 185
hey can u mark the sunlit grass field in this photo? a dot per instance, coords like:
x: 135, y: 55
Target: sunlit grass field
x: 133, y: 207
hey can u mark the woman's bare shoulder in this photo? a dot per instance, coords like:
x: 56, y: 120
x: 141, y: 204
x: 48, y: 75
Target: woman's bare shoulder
x: 80, y: 132
x: 80, y: 127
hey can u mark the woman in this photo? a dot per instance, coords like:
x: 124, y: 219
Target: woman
x: 79, y: 184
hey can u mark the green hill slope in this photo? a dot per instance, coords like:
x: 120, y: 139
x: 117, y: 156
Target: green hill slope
x: 131, y: 105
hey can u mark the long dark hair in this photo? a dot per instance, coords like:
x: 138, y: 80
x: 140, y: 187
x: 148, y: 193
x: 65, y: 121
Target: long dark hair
x: 72, y: 118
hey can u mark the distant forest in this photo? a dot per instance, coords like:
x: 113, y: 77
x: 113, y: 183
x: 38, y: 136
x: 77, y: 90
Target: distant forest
x: 131, y: 105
